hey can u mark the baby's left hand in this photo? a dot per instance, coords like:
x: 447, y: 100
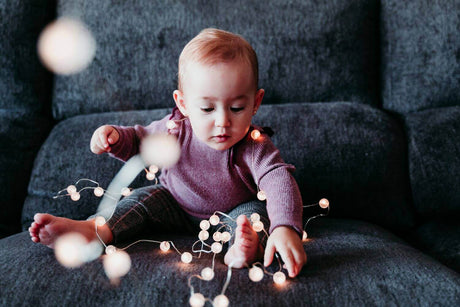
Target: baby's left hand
x: 287, y: 242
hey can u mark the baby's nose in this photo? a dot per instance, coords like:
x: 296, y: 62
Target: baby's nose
x: 222, y: 120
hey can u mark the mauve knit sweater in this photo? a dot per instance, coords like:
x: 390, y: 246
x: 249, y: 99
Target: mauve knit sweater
x: 206, y: 180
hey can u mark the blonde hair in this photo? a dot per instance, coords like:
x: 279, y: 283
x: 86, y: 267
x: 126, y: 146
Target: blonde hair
x: 212, y: 46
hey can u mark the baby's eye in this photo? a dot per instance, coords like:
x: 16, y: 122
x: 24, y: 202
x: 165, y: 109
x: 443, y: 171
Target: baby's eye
x: 207, y: 110
x: 237, y: 109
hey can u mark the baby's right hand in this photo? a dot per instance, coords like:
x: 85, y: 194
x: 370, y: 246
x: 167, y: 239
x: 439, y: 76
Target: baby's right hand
x: 102, y: 138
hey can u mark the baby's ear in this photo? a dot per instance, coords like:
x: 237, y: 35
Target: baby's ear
x: 180, y: 103
x: 258, y: 99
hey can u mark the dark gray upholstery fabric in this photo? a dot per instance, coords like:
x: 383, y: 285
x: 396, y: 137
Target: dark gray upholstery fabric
x: 350, y: 263
x: 352, y: 154
x: 420, y: 54
x: 434, y: 161
x: 308, y: 51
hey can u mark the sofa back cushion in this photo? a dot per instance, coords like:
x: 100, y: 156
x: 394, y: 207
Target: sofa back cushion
x: 421, y: 54
x: 308, y: 50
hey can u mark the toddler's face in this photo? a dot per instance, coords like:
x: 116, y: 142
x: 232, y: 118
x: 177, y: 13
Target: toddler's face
x: 219, y: 101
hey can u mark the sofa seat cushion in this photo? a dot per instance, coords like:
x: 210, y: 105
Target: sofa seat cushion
x: 349, y: 263
x: 352, y: 154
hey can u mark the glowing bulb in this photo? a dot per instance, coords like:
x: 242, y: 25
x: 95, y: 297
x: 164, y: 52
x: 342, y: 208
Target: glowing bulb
x: 98, y: 191
x: 197, y: 300
x: 170, y: 124
x: 226, y: 236
x: 216, y: 247
x: 66, y: 46
x: 71, y: 189
x: 126, y: 191
x: 217, y: 236
x: 204, y: 225
x: 221, y: 301
x: 68, y: 249
x: 324, y: 203
x: 186, y: 257
x: 279, y: 278
x: 214, y: 220
x: 153, y: 169
x: 255, y: 134
x: 304, y: 236
x: 162, y: 150
x: 261, y: 195
x: 203, y: 235
x: 100, y: 221
x: 75, y: 196
x: 255, y: 217
x: 258, y: 226
x: 207, y: 273
x: 117, y: 264
x: 150, y: 176
x: 256, y: 274
x: 110, y: 249
x: 164, y: 246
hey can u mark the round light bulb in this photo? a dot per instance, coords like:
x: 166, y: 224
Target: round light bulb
x: 324, y: 203
x: 153, y: 169
x: 126, y: 191
x: 258, y: 226
x: 100, y: 221
x: 75, y: 196
x: 71, y: 189
x: 117, y: 264
x: 110, y: 249
x: 162, y: 150
x: 164, y: 246
x: 279, y: 278
x: 150, y: 176
x: 197, y: 300
x: 255, y: 217
x: 255, y: 134
x: 304, y: 235
x: 170, y: 124
x: 186, y: 257
x: 204, y: 225
x: 217, y: 236
x: 226, y: 236
x: 207, y: 273
x: 216, y: 247
x: 214, y: 220
x: 221, y: 301
x: 98, y: 191
x: 68, y: 249
x: 203, y: 235
x: 256, y: 274
x: 261, y: 195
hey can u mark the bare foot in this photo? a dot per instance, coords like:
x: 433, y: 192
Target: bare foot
x: 246, y: 249
x: 47, y: 228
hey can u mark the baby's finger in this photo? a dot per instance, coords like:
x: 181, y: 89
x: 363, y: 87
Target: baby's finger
x: 269, y: 254
x: 289, y: 262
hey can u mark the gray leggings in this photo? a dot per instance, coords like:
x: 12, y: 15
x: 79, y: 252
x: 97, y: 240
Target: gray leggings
x: 154, y: 207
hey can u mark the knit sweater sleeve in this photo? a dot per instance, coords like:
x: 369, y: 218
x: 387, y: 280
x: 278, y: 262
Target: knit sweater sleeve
x: 274, y: 177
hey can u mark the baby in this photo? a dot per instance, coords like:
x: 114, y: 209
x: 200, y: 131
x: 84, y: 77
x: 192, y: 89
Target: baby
x: 221, y: 167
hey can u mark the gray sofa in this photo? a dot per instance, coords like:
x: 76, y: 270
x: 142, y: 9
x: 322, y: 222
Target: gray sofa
x: 363, y: 97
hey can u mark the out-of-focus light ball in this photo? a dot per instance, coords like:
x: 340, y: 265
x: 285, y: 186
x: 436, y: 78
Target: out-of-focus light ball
x: 150, y: 176
x: 68, y: 249
x: 154, y: 169
x: 226, y: 236
x: 324, y: 203
x: 160, y: 149
x: 214, y: 220
x: 66, y: 46
x: 217, y: 236
x: 256, y: 274
x: 197, y: 300
x: 117, y: 264
x: 203, y: 235
x: 255, y: 134
x: 126, y: 191
x: 304, y: 236
x: 170, y: 124
x: 186, y: 257
x: 255, y: 217
x: 75, y: 196
x: 279, y: 278
x: 71, y: 189
x: 216, y: 247
x: 204, y: 225
x: 98, y: 191
x: 165, y: 246
x: 258, y: 226
x: 100, y: 221
x: 110, y: 249
x: 220, y: 301
x: 261, y: 195
x: 207, y: 273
